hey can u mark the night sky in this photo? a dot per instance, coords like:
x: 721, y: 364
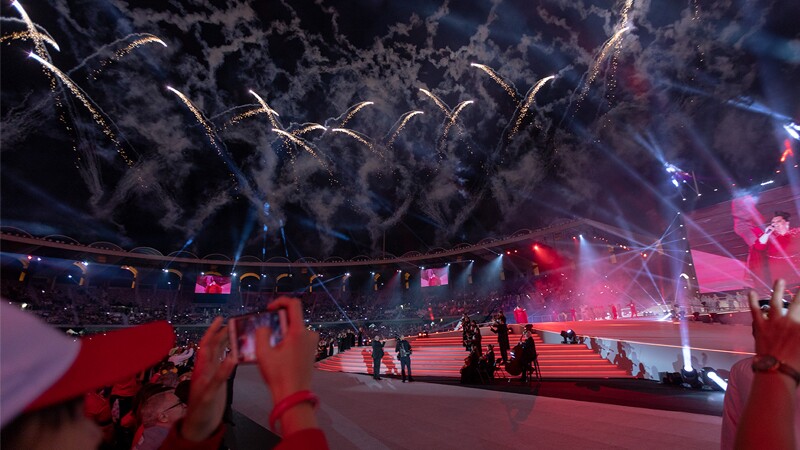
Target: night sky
x: 704, y: 86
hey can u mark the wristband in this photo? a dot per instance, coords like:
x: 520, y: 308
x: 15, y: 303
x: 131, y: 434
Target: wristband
x: 290, y: 402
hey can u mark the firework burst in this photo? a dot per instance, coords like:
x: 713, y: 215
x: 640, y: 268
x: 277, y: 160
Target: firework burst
x: 29, y: 35
x: 87, y: 103
x: 509, y: 90
x: 438, y: 102
x: 199, y: 116
x: 353, y: 112
x: 523, y: 110
x: 403, y: 121
x: 454, y: 116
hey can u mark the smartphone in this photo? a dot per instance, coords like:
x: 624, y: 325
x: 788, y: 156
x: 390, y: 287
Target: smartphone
x: 242, y: 332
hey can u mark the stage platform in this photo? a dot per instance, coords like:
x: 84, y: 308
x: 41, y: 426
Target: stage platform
x: 647, y: 348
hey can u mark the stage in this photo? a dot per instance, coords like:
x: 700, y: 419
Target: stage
x: 359, y: 412
x: 647, y: 348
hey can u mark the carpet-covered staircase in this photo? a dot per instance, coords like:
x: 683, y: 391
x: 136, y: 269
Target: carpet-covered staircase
x: 443, y: 356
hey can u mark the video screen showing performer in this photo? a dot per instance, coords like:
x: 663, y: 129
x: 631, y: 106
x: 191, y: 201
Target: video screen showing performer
x: 747, y: 242
x: 212, y: 284
x: 436, y: 276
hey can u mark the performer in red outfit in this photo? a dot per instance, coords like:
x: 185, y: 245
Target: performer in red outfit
x: 782, y: 245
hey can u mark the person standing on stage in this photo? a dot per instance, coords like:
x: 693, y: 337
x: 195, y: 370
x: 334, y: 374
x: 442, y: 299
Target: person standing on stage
x: 403, y: 350
x: 377, y: 355
x: 500, y: 327
x: 528, y: 353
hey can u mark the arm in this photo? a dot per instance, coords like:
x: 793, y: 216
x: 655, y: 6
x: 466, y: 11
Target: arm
x: 287, y: 369
x: 202, y: 427
x: 773, y: 394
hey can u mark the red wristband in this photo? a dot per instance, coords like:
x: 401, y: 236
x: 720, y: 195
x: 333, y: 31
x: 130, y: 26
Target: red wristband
x: 290, y: 402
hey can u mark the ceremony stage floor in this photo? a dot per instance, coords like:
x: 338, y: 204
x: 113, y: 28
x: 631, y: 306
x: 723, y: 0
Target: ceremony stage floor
x: 359, y: 412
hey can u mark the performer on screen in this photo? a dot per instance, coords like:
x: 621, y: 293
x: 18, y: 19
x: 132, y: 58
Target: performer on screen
x: 782, y: 245
x: 747, y: 222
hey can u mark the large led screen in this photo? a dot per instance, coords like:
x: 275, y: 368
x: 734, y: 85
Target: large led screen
x: 212, y: 284
x: 746, y: 242
x: 436, y: 276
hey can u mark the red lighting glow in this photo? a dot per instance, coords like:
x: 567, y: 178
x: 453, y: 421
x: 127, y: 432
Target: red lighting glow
x: 787, y: 150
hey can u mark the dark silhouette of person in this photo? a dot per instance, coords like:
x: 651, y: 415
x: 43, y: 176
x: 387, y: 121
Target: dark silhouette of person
x: 500, y: 327
x: 403, y: 350
x: 377, y: 355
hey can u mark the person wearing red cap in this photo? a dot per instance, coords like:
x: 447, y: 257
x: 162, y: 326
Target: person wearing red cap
x: 44, y: 375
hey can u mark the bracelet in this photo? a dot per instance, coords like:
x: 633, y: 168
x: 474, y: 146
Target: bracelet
x: 290, y: 402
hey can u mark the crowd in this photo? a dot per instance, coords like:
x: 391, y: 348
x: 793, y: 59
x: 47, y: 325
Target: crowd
x: 126, y: 389
x: 131, y: 388
x: 76, y: 306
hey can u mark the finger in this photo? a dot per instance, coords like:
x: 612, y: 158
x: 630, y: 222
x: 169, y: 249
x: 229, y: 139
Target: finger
x: 794, y: 308
x: 263, y: 349
x: 294, y: 311
x: 212, y: 330
x: 776, y: 301
x: 755, y: 309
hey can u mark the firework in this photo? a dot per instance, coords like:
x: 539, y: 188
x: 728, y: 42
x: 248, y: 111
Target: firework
x: 438, y: 102
x: 239, y: 117
x: 29, y: 35
x: 142, y: 39
x: 406, y: 117
x: 354, y: 110
x: 528, y: 102
x: 509, y: 90
x: 304, y: 144
x: 41, y: 51
x: 199, y: 116
x: 307, y: 128
x: 454, y: 116
x: 146, y: 39
x: 600, y: 58
x: 355, y: 136
x: 270, y: 112
x: 84, y: 99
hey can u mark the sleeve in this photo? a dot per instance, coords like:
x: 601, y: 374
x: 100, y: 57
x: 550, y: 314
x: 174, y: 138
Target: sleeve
x: 308, y: 439
x: 175, y: 441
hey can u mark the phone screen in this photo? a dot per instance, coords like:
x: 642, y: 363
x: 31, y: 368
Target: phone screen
x: 242, y: 330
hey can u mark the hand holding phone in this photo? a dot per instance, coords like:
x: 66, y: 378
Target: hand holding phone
x: 242, y: 330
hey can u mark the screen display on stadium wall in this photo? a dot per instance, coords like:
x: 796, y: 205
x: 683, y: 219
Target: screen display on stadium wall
x: 436, y: 276
x: 212, y: 284
x: 727, y: 247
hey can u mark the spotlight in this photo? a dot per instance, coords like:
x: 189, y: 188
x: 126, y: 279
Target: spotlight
x: 164, y: 270
x: 712, y: 379
x: 691, y: 378
x: 569, y: 337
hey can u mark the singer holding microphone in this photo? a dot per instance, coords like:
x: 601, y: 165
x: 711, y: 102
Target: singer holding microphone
x: 782, y: 245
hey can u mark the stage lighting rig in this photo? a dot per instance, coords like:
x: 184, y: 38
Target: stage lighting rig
x: 691, y: 378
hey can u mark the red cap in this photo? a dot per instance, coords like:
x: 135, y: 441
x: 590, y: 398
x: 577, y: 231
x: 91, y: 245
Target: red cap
x: 41, y: 366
